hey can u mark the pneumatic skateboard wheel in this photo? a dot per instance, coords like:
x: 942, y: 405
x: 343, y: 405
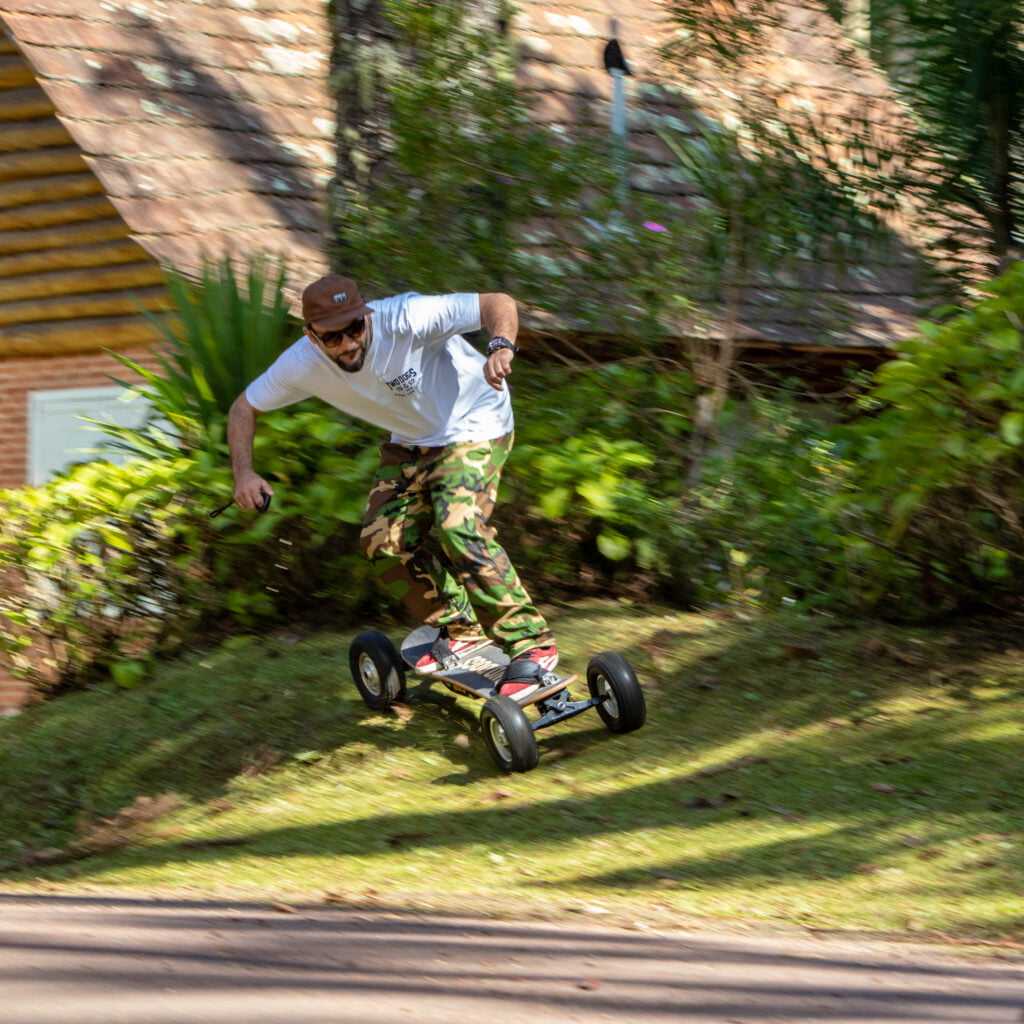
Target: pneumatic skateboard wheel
x: 377, y: 669
x: 508, y: 735
x: 613, y: 682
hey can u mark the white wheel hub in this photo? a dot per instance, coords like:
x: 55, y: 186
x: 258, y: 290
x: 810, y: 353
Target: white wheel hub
x: 606, y: 695
x: 499, y: 739
x: 369, y: 675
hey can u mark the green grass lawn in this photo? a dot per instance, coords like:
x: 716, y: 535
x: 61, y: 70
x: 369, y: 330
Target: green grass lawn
x: 793, y: 769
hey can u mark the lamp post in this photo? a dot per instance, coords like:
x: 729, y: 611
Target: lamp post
x: 616, y: 66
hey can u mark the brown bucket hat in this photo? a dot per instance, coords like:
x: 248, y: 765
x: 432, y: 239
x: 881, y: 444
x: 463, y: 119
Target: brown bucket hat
x: 332, y: 303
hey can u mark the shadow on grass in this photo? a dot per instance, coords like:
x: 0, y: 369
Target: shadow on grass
x: 821, y: 754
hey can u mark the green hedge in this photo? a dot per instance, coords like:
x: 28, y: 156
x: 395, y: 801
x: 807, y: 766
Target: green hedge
x: 912, y: 509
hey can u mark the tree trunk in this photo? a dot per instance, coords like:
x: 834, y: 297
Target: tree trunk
x: 363, y: 48
x: 714, y: 371
x: 1001, y: 123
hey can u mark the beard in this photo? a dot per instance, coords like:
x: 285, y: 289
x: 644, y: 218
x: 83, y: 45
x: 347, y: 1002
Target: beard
x: 351, y: 364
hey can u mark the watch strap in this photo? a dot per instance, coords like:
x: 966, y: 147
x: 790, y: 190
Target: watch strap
x: 499, y: 342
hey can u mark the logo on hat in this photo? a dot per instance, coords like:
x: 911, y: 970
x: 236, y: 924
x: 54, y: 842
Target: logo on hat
x: 340, y: 297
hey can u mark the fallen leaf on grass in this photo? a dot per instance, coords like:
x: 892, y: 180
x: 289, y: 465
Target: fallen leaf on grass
x: 50, y: 855
x: 462, y: 740
x: 403, y: 838
x: 888, y: 759
x: 261, y: 760
x: 748, y: 761
x: 912, y: 841
x: 202, y: 844
x: 804, y: 651
x: 785, y: 812
x: 705, y: 802
x: 700, y: 803
x: 283, y: 908
x: 559, y: 754
x: 501, y: 794
x: 402, y: 712
x: 883, y: 787
x: 877, y: 648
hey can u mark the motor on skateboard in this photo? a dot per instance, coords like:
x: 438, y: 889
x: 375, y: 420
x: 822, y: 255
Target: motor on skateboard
x: 378, y: 671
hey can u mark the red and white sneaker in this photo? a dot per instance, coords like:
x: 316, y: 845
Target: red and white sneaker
x: 445, y: 648
x: 522, y: 676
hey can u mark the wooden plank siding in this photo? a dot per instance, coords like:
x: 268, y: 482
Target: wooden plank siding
x: 71, y: 277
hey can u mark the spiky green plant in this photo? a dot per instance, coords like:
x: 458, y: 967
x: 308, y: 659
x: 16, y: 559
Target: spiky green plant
x: 228, y: 327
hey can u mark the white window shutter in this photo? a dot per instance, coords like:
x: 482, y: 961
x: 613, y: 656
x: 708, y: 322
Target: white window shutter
x: 57, y: 435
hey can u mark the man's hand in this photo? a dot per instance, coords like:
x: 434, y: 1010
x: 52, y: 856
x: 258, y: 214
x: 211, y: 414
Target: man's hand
x: 250, y: 490
x: 498, y: 367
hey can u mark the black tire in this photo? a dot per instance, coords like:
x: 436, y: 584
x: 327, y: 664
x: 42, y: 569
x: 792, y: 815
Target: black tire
x: 377, y: 669
x: 611, y: 677
x: 508, y: 735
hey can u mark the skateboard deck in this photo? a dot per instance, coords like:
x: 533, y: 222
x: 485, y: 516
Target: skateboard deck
x: 478, y: 673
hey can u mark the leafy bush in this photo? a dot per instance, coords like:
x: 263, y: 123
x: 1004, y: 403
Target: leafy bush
x: 111, y: 565
x: 226, y: 334
x: 100, y: 570
x: 595, y: 447
x: 936, y: 500
x: 761, y: 527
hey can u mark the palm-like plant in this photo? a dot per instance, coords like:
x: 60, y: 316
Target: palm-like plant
x: 225, y: 332
x: 961, y: 63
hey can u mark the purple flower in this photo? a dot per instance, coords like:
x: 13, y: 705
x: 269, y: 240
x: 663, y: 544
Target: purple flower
x: 653, y: 225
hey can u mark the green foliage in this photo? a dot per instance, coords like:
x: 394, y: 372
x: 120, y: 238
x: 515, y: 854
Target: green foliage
x: 961, y: 64
x: 226, y: 333
x: 98, y: 571
x: 762, y: 210
x: 760, y: 529
x: 110, y: 565
x: 911, y: 510
x: 594, y: 449
x: 940, y: 473
x: 474, y: 195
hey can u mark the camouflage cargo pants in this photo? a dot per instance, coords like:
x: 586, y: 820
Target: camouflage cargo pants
x: 426, y: 529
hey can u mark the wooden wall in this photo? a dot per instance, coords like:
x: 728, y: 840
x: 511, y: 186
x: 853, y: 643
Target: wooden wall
x: 71, y: 280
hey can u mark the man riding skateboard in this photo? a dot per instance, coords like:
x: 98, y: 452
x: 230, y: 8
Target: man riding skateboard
x: 401, y: 363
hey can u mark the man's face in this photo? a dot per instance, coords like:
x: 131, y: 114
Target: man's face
x: 346, y: 349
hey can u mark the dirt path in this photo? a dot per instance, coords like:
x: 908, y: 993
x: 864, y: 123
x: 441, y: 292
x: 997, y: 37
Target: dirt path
x: 100, y: 960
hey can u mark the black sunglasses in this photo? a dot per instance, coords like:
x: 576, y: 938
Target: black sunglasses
x: 332, y: 338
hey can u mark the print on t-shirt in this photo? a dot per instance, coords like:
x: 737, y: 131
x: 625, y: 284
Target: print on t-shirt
x: 405, y: 384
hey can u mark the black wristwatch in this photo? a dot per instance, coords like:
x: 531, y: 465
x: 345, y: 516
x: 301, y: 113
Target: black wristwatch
x: 499, y: 342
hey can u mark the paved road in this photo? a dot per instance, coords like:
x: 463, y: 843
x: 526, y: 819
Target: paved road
x: 99, y: 960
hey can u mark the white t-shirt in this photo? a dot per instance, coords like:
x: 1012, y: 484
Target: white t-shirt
x: 421, y: 379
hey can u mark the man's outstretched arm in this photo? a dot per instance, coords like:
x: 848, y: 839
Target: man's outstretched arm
x: 250, y: 488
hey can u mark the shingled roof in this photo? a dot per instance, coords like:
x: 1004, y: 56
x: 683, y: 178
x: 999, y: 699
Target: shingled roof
x: 207, y: 123
x: 209, y: 126
x: 806, y: 60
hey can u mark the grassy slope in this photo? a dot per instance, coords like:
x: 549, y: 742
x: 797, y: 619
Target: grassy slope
x: 792, y: 769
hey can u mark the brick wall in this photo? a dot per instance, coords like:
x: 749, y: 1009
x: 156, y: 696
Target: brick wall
x: 19, y: 376
x: 13, y: 694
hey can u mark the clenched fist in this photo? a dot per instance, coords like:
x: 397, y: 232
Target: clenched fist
x: 498, y: 367
x: 251, y: 491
